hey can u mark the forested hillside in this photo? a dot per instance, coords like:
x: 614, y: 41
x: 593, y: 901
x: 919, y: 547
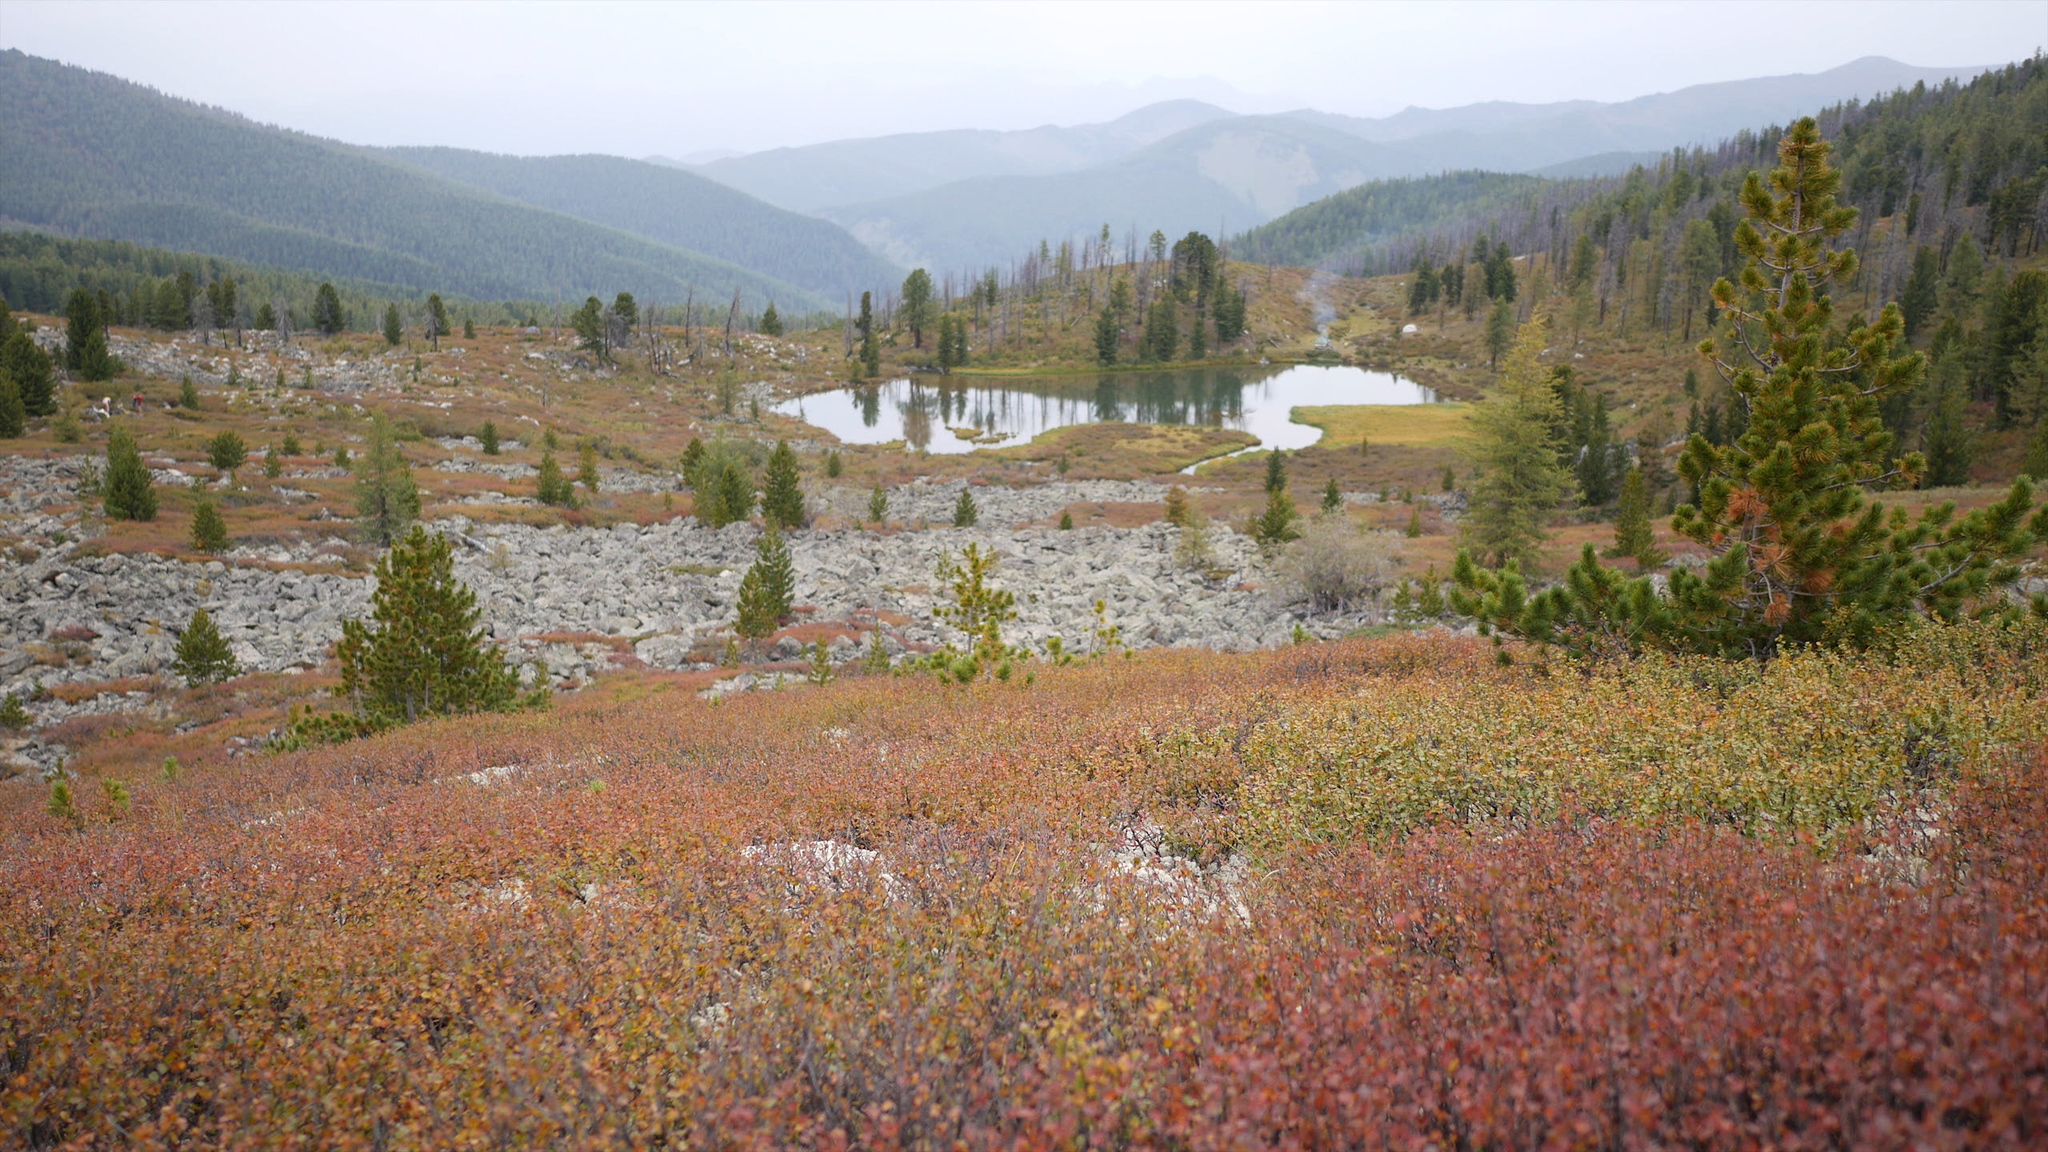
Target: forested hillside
x: 1956, y: 157
x: 672, y: 207
x: 87, y: 154
x: 38, y: 272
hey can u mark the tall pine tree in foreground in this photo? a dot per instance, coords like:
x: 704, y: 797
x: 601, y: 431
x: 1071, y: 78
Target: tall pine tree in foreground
x: 1797, y: 552
x: 425, y: 653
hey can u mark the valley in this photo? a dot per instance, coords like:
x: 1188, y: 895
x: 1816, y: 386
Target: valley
x: 1509, y: 625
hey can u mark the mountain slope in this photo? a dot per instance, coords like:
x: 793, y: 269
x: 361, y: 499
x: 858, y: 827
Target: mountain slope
x: 1887, y: 149
x: 674, y: 207
x: 88, y: 154
x: 819, y: 176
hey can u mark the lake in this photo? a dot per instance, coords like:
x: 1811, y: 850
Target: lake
x: 932, y: 412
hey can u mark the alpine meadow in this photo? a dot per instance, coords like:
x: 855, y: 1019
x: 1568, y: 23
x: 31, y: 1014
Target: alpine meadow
x: 1514, y: 624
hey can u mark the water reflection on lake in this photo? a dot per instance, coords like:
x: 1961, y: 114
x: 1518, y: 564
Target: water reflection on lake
x: 960, y: 414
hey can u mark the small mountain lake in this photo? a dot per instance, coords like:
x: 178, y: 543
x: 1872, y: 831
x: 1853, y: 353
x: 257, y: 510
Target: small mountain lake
x: 963, y: 413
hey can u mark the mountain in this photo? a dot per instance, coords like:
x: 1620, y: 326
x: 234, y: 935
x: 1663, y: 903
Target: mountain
x: 674, y: 207
x: 87, y: 154
x: 1228, y: 173
x: 1521, y: 137
x: 819, y: 176
x: 1246, y: 170
x: 1897, y: 154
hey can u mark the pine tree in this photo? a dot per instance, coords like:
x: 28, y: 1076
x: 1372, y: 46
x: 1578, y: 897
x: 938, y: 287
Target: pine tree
x: 1178, y: 513
x: 916, y: 313
x: 730, y: 497
x: 1523, y: 479
x: 1500, y: 333
x: 387, y: 499
x: 394, y: 328
x: 1066, y: 520
x: 273, y: 464
x: 266, y: 317
x: 1596, y: 462
x: 1946, y: 440
x: 768, y: 589
x: 1275, y: 525
x: 291, y: 446
x: 327, y: 315
x: 188, y: 395
x: 1106, y: 337
x: 14, y: 717
x: 878, y: 506
x: 771, y: 321
x: 209, y: 530
x: 1332, y: 498
x: 966, y: 514
x: 1162, y: 331
x: 1633, y: 535
x: 586, y: 465
x: 834, y: 466
x: 129, y: 493
x: 2035, y: 464
x: 1450, y: 479
x: 550, y: 486
x: 1414, y: 527
x: 468, y: 328
x: 592, y: 333
x: 227, y: 452
x: 85, y: 338
x: 29, y: 367
x: 437, y: 320
x: 782, y: 494
x: 1797, y: 553
x: 203, y: 655
x: 425, y: 652
x: 1922, y: 291
x: 13, y: 413
x: 488, y: 437
x: 691, y: 465
x: 1276, y: 472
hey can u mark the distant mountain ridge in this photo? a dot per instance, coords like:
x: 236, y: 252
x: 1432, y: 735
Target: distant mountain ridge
x: 1004, y: 196
x: 817, y: 176
x: 87, y: 154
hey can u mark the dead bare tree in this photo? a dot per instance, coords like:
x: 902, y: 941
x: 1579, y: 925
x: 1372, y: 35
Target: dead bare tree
x: 732, y: 315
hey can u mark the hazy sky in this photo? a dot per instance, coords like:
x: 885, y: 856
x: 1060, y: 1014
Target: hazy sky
x: 635, y: 79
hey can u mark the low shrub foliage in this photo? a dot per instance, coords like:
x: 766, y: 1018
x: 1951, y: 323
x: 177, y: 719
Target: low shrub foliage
x: 1446, y: 904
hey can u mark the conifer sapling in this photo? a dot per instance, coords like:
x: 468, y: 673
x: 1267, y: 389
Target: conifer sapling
x: 203, y: 655
x: 129, y: 493
x: 209, y: 530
